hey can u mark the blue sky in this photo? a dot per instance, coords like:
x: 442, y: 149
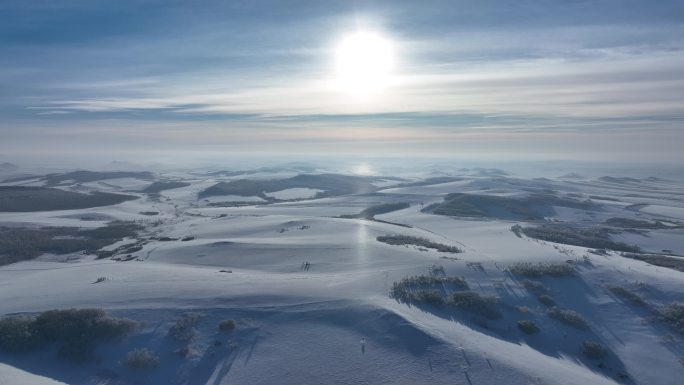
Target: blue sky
x: 527, y: 79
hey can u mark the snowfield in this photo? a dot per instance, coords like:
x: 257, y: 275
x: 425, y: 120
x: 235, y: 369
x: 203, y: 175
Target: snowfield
x: 309, y: 289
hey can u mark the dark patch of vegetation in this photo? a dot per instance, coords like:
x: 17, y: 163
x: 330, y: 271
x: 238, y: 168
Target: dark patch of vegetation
x: 183, y: 329
x: 532, y: 207
x: 534, y: 287
x: 428, y: 297
x: 602, y: 198
x: 425, y: 288
x: 76, y: 331
x: 675, y: 263
x: 619, y: 180
x: 237, y: 204
x: 540, y: 292
x: 20, y: 243
x: 188, y: 238
x: 21, y: 178
x: 182, y: 351
x: 673, y: 314
x: 157, y: 187
x: 625, y: 294
x: 568, y: 317
x: 477, y: 266
x: 28, y: 198
x: 17, y: 333
x: 430, y: 181
x: 528, y: 327
x: 429, y: 280
x: 538, y: 270
x: 117, y: 253
x: 83, y: 176
x: 473, y: 302
x: 546, y: 300
x: 628, y: 223
x: 402, y: 240
x: 229, y: 173
x: 593, y: 350
x: 90, y: 217
x: 140, y: 359
x: 114, y: 230
x: 150, y: 213
x: 332, y: 184
x: 227, y: 325
x: 517, y: 230
x: 596, y: 238
x: 481, y: 171
x: 384, y: 208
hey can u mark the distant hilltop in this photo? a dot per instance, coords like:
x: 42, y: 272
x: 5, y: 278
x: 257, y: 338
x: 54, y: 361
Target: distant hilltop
x: 8, y: 167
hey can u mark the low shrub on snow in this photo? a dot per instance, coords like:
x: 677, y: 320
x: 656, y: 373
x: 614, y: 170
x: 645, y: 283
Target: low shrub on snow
x: 625, y: 294
x: 568, y: 317
x: 528, y: 327
x: 426, y: 288
x: 18, y: 334
x: 431, y: 290
x: 537, y: 270
x: 540, y: 291
x: 475, y: 303
x: 534, y: 287
x: 183, y: 329
x: 673, y: 314
x: 676, y: 263
x: 182, y: 351
x: 91, y: 324
x: 20, y: 243
x: 76, y: 331
x: 595, y: 238
x: 430, y: 297
x: 546, y: 300
x: 226, y: 325
x: 593, y: 349
x: 140, y: 359
x: 407, y: 240
x: 427, y: 280
x: 79, y: 330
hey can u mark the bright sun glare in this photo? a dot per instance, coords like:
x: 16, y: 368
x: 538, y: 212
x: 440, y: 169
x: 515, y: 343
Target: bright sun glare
x: 364, y: 62
x: 363, y: 169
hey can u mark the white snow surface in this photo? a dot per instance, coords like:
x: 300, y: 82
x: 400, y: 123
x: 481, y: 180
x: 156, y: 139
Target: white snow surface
x: 13, y: 376
x: 299, y: 325
x: 232, y: 198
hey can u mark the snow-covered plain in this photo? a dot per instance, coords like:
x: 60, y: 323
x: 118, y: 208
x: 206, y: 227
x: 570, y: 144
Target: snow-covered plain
x: 300, y: 323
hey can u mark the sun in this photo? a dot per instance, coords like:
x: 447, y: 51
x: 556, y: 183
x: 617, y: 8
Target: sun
x: 364, y: 62
x: 363, y: 169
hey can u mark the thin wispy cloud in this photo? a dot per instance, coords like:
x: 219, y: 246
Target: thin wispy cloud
x: 268, y: 69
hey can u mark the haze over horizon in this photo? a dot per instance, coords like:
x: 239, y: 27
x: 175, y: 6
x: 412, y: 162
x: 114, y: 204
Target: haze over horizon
x: 341, y: 192
x: 485, y: 80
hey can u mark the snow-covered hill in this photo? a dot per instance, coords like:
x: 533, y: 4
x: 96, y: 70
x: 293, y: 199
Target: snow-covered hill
x: 306, y: 285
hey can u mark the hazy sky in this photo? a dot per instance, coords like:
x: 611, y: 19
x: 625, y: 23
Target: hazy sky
x: 566, y: 79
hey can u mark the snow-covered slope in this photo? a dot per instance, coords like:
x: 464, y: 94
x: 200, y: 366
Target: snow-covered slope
x: 305, y: 286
